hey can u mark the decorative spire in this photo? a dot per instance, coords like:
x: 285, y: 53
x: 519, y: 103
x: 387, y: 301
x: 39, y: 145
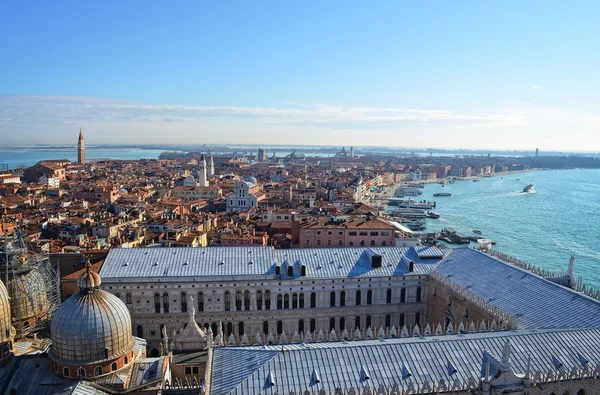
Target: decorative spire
x: 505, y: 363
x: 80, y: 134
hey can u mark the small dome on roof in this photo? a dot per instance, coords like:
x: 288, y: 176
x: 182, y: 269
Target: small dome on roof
x: 251, y: 179
x: 89, y: 280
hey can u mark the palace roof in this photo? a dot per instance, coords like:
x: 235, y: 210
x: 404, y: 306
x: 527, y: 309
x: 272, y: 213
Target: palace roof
x: 453, y: 358
x: 532, y: 300
x: 261, y: 262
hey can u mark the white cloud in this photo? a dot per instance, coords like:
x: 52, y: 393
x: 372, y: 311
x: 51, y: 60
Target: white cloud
x: 536, y: 88
x: 81, y: 110
x: 568, y: 80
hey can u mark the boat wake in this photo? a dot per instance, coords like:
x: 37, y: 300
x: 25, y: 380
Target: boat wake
x: 577, y: 249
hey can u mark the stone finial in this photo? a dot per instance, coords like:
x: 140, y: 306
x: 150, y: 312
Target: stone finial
x: 416, y: 331
x: 258, y: 339
x: 505, y: 363
x: 333, y: 336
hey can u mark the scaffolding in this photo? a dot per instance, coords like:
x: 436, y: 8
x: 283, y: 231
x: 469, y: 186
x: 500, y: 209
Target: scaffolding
x: 33, y: 285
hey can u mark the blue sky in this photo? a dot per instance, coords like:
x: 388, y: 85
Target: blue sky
x: 473, y: 74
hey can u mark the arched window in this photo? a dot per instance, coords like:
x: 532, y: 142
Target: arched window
x: 403, y: 295
x: 368, y: 321
x: 301, y: 303
x: 313, y: 299
x: 259, y: 300
x: 66, y: 372
x: 238, y: 300
x: 357, y: 322
x: 125, y: 360
x: 98, y: 371
x: 331, y: 323
x: 332, y: 299
x: 343, y: 298
x: 246, y: 300
x: 300, y: 326
x: 214, y: 328
x: 449, y: 301
x: 166, y: 302
x: 113, y: 367
x: 227, y: 301
x: 286, y: 301
x: 388, y: 296
x: 467, y: 313
x: 279, y: 327
x: 290, y: 271
x: 229, y: 329
x: 183, y: 302
x: 303, y: 271
x: 267, y: 300
x: 388, y: 321
x: 157, y: 302
x: 200, y: 301
x: 139, y: 331
x: 294, y: 301
x: 358, y: 298
x: 279, y: 301
x: 266, y: 327
x: 342, y: 323
x: 128, y: 298
x: 277, y: 270
x: 241, y: 328
x: 402, y: 320
x: 370, y: 296
x: 417, y: 318
x: 418, y: 294
x: 313, y: 325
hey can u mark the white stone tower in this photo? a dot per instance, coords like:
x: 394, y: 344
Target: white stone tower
x: 211, y: 167
x: 202, y: 179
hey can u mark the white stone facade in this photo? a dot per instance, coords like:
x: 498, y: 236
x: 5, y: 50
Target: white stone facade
x: 245, y: 305
x: 241, y: 199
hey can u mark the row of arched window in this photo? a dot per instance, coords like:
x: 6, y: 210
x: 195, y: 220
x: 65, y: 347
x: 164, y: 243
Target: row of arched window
x: 358, y: 323
x: 98, y: 370
x: 263, y: 300
x: 183, y: 301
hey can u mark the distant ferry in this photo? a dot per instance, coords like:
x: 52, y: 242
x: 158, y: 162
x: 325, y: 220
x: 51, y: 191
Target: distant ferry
x: 477, y: 231
x: 442, y: 194
x: 529, y: 189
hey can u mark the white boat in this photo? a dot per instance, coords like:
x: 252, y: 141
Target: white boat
x: 529, y: 189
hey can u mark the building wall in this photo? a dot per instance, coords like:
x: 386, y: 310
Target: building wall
x: 345, y: 237
x: 444, y: 306
x: 211, y: 304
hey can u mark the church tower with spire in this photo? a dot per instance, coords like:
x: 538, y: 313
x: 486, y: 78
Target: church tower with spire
x: 81, y: 148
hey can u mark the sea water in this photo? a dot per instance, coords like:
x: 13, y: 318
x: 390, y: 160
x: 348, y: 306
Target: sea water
x: 546, y: 228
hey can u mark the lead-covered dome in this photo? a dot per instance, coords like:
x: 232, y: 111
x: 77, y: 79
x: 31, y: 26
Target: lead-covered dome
x: 91, y: 326
x: 6, y: 329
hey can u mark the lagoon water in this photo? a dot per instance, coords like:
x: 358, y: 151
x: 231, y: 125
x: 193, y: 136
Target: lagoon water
x: 545, y: 228
x: 28, y: 156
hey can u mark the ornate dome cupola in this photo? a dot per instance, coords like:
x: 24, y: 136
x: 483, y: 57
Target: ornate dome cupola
x: 91, y: 332
x: 7, y: 332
